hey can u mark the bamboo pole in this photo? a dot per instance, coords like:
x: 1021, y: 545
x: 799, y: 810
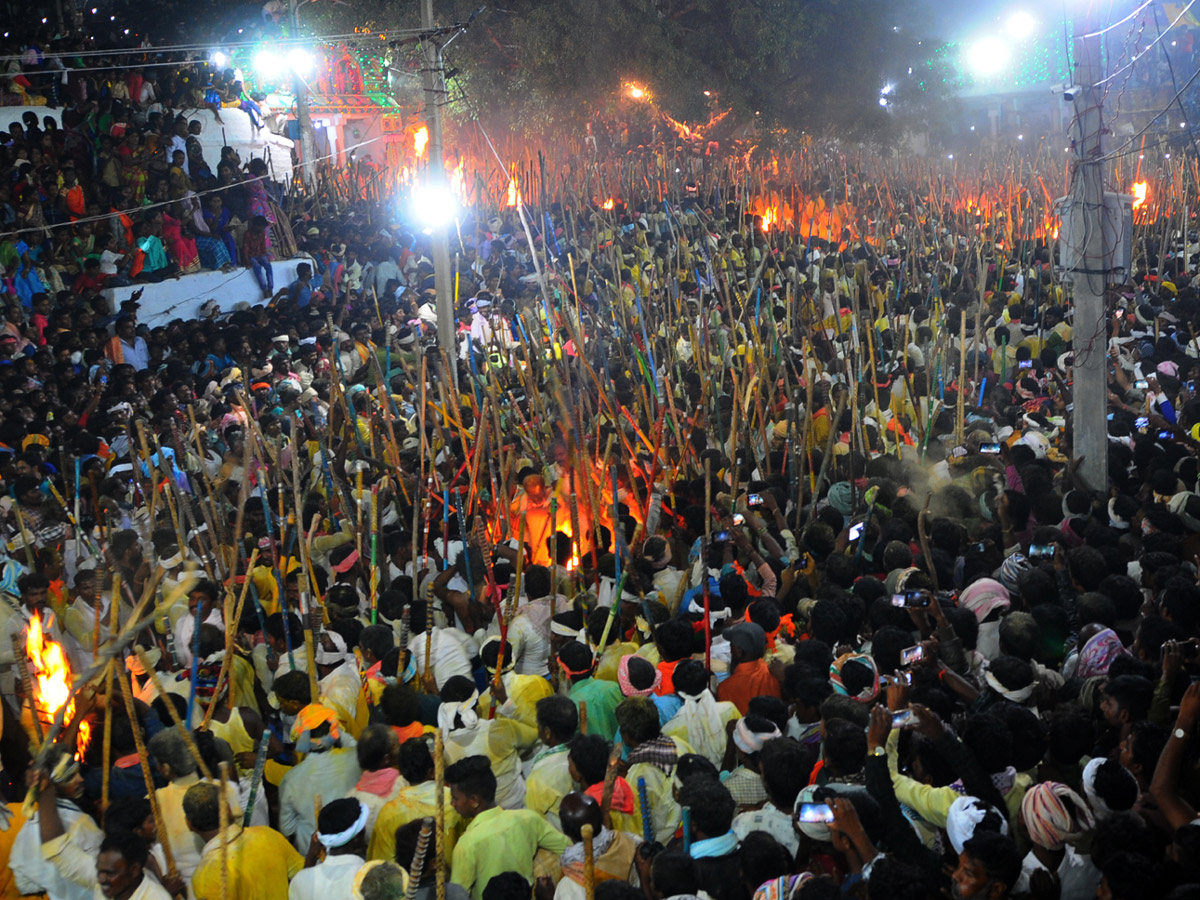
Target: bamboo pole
x: 439, y: 786
x: 148, y: 776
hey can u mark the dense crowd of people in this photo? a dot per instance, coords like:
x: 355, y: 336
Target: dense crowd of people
x: 712, y: 559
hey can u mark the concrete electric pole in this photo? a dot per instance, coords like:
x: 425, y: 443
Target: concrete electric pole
x: 1089, y: 266
x: 308, y: 147
x: 435, y: 97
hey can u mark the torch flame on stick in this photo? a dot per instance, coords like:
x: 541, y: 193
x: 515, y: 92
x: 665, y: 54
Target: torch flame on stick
x: 49, y: 671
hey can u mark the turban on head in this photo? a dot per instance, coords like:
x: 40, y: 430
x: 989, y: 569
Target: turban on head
x: 1054, y: 815
x: 308, y: 720
x: 749, y: 741
x: 835, y: 676
x: 984, y: 596
x: 642, y: 688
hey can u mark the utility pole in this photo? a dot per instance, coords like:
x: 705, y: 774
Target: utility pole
x: 1091, y: 267
x: 308, y: 147
x: 434, y: 76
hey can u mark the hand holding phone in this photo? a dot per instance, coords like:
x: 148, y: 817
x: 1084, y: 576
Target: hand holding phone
x: 913, y: 654
x: 815, y: 812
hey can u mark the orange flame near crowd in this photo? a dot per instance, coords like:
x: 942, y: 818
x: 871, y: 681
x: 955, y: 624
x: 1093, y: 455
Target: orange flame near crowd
x: 458, y: 182
x: 82, y: 739
x: 609, y: 203
x: 514, y: 195
x: 1141, y: 190
x: 49, y: 671
x: 420, y: 139
x: 769, y: 217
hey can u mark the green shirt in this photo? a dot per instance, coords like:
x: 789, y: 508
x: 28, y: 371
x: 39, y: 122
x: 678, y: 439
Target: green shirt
x: 502, y: 840
x: 602, y: 698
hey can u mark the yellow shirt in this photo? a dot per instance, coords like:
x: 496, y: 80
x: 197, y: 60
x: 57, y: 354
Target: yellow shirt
x: 414, y: 802
x: 502, y: 840
x: 261, y: 863
x: 933, y: 803
x: 665, y: 813
x: 524, y: 692
x: 548, y: 782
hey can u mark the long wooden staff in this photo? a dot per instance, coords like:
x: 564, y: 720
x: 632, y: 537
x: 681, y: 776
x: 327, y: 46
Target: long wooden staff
x: 230, y: 634
x: 439, y: 786
x: 147, y: 775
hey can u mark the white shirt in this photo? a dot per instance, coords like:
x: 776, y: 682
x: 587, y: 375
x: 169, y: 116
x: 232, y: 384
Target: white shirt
x: 332, y: 878
x: 1077, y: 876
x: 452, y: 652
x: 136, y: 354
x: 34, y: 873
x: 149, y: 889
x: 185, y: 630
x: 332, y: 774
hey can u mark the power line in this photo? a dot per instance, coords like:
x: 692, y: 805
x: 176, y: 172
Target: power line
x: 1149, y: 47
x: 1157, y: 116
x: 1108, y: 28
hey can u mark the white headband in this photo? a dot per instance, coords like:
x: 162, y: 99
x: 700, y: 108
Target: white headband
x: 752, y: 741
x: 331, y: 841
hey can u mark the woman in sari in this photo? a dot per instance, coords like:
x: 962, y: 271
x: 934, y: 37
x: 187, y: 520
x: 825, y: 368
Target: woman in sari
x: 133, y: 165
x: 211, y: 248
x: 180, y: 244
x: 219, y: 219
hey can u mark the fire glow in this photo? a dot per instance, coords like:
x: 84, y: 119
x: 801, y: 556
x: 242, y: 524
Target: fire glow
x: 49, y: 672
x: 1141, y: 191
x: 420, y: 139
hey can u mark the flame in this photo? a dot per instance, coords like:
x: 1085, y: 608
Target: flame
x: 608, y: 204
x: 572, y: 563
x: 514, y: 195
x: 458, y: 182
x: 49, y: 671
x: 420, y: 139
x: 83, y: 739
x: 1141, y: 190
x: 769, y: 217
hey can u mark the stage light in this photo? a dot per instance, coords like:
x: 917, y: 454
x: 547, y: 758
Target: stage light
x: 219, y: 59
x: 1020, y: 25
x: 987, y: 56
x: 300, y: 61
x: 433, y: 204
x: 267, y: 63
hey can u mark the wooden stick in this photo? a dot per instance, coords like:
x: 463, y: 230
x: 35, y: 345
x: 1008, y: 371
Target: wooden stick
x: 147, y: 775
x: 174, y: 713
x: 223, y: 808
x: 230, y: 632
x: 22, y: 658
x: 589, y: 863
x: 439, y: 786
x: 417, y: 866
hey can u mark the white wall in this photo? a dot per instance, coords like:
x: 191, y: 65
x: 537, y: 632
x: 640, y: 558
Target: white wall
x: 181, y: 298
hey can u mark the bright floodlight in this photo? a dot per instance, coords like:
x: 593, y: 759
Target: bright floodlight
x: 1020, y: 25
x: 987, y: 56
x: 219, y: 59
x: 883, y: 101
x: 268, y: 63
x: 433, y: 205
x: 300, y: 61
